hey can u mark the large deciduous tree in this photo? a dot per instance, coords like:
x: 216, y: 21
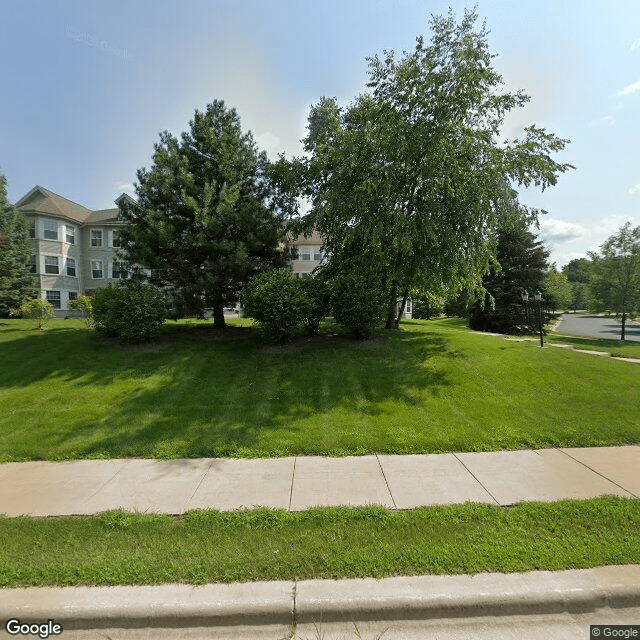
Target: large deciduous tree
x: 205, y: 221
x: 615, y: 284
x: 412, y: 176
x: 16, y: 282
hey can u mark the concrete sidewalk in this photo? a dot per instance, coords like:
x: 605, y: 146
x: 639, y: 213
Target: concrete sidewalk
x: 536, y: 604
x: 296, y: 483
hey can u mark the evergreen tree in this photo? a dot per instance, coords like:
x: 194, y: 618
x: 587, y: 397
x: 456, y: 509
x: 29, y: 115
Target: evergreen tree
x: 521, y: 265
x: 205, y: 221
x: 16, y: 282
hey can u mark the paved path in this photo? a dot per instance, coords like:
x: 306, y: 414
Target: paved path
x: 592, y: 326
x: 296, y: 483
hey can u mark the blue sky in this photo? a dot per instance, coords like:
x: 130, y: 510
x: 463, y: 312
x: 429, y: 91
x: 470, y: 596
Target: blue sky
x: 88, y: 86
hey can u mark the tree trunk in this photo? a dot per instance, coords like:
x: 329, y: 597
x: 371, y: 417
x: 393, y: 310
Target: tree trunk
x: 624, y: 318
x: 218, y: 314
x: 391, y: 309
x: 405, y: 296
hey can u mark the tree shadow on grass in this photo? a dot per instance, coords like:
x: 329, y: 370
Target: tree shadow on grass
x: 212, y: 398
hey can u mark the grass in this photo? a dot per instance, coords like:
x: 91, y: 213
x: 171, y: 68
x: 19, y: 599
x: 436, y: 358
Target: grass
x: 433, y: 387
x: 117, y: 547
x: 627, y: 349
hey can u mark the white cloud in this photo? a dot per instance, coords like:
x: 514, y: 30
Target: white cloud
x: 569, y: 240
x: 607, y: 121
x: 270, y: 143
x: 634, y: 190
x: 629, y: 89
x: 127, y: 187
x: 559, y: 230
x: 635, y: 45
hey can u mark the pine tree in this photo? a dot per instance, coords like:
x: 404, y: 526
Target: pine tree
x: 16, y: 282
x: 522, y: 265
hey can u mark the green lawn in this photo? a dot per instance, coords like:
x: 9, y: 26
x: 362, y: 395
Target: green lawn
x: 432, y: 387
x: 207, y: 546
x: 626, y: 349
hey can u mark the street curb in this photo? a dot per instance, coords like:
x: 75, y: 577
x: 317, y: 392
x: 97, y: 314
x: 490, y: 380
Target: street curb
x: 312, y: 601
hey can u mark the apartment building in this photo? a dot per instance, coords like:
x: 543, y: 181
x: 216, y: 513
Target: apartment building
x: 75, y: 248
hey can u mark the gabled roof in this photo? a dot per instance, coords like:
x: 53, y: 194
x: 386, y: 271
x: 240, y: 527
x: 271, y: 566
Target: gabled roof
x: 103, y: 215
x: 42, y: 200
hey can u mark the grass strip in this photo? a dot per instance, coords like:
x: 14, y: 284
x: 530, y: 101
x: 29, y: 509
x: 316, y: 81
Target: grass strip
x: 627, y: 349
x: 122, y: 548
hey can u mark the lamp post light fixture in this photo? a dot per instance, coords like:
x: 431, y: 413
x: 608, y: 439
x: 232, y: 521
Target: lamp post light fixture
x: 538, y: 297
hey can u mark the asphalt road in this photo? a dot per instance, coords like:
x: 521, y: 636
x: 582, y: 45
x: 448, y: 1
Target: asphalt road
x: 582, y: 324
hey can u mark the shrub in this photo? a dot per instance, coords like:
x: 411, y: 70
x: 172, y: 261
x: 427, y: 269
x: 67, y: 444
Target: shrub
x: 129, y: 310
x: 317, y: 291
x: 36, y: 309
x: 84, y: 305
x: 358, y: 300
x: 277, y: 302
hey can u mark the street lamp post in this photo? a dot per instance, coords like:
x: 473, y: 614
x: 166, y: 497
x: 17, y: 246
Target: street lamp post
x: 525, y: 298
x: 538, y: 297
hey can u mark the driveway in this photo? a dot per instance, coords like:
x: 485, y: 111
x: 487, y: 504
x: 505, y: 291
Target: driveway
x: 582, y: 324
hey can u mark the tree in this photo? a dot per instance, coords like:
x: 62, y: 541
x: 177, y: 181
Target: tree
x: 521, y: 265
x: 204, y: 222
x: 16, y: 282
x: 579, y: 272
x: 411, y: 175
x: 616, y: 273
x: 556, y: 291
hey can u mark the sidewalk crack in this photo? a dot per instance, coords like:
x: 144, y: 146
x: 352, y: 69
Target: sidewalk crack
x: 597, y: 472
x: 475, y: 478
x: 106, y: 482
x: 293, y: 477
x: 204, y: 475
x: 395, y: 506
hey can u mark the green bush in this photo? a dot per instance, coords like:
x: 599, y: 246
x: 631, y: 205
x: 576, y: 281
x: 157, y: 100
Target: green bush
x: 358, y: 300
x: 316, y: 289
x: 129, y: 310
x: 37, y: 309
x: 277, y: 302
x: 84, y: 305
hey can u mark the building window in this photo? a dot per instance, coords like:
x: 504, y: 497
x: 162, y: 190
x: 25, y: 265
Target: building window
x: 32, y: 265
x: 73, y: 295
x: 71, y: 267
x: 115, y: 240
x: 305, y: 255
x: 32, y: 228
x: 118, y: 270
x: 317, y: 255
x: 50, y: 230
x: 51, y: 265
x: 96, y: 269
x: 96, y: 238
x: 71, y: 234
x: 54, y: 298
